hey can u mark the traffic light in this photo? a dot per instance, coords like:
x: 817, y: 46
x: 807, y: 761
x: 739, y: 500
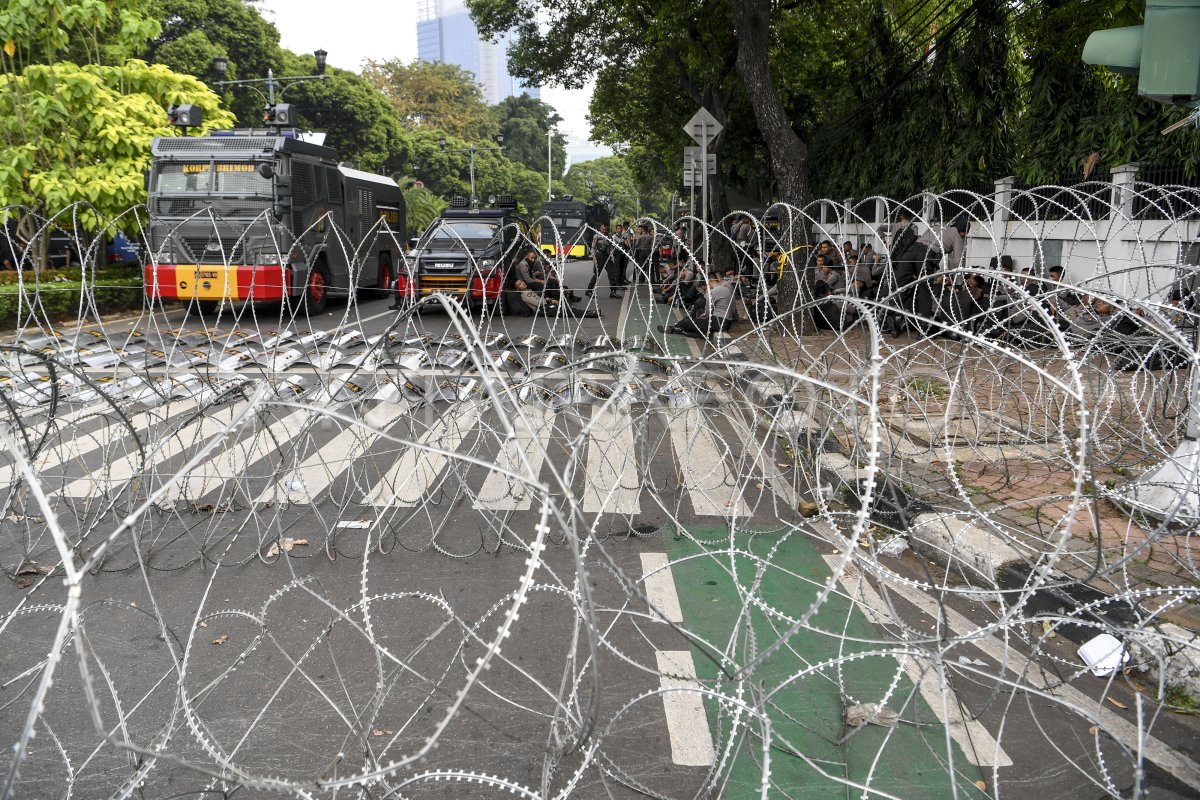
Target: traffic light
x: 185, y: 116
x: 1164, y: 51
x: 279, y: 114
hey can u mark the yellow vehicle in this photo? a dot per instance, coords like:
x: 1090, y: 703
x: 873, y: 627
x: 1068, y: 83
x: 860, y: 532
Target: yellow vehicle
x: 567, y: 227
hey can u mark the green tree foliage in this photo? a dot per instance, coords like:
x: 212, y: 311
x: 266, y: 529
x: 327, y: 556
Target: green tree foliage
x: 447, y: 172
x: 609, y: 176
x: 421, y: 206
x: 1076, y: 117
x: 88, y: 31
x: 654, y: 64
x: 196, y: 31
x: 71, y: 133
x: 82, y: 134
x: 434, y: 95
x: 357, y: 118
x: 525, y: 123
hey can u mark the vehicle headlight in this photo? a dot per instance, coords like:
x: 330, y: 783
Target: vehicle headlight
x: 486, y: 264
x: 269, y: 257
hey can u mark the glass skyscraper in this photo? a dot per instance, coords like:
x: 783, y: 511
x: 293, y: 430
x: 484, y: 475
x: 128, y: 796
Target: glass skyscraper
x: 446, y: 33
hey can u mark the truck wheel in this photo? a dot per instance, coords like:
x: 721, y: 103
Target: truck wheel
x: 386, y: 276
x: 316, y: 290
x: 208, y: 308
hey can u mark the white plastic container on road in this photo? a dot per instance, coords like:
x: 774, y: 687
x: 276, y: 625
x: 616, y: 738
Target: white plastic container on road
x: 1103, y: 655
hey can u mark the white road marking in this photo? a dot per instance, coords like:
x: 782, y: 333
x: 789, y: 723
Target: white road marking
x: 81, y: 443
x: 170, y: 445
x: 611, y: 479
x: 711, y: 484
x: 1033, y: 675
x: 659, y: 586
x: 407, y: 482
x: 687, y: 724
x: 978, y: 746
x: 501, y: 492
x: 245, y: 446
x: 301, y: 485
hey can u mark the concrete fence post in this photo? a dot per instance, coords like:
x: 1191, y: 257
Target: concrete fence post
x: 1123, y: 178
x: 1001, y: 201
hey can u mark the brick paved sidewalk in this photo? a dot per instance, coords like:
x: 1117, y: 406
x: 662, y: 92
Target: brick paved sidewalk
x: 1022, y: 469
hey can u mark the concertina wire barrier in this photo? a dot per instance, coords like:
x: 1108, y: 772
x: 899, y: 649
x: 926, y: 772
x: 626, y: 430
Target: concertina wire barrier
x: 261, y: 551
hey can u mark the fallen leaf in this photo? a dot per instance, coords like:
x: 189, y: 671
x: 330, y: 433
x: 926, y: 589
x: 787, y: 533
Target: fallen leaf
x: 380, y: 732
x: 48, y: 569
x: 807, y: 509
x: 982, y: 786
x: 24, y: 583
x: 1092, y: 730
x: 1116, y: 702
x: 199, y: 507
x: 1048, y: 628
x: 1141, y: 687
x: 29, y: 568
x: 285, y: 544
x: 222, y: 639
x: 203, y: 624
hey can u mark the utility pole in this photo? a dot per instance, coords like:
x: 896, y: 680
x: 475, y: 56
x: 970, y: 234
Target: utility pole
x: 549, y: 165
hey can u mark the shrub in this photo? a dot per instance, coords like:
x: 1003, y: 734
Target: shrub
x: 58, y: 298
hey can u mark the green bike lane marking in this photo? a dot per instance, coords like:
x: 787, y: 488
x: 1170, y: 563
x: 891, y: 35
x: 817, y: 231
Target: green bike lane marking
x: 645, y: 315
x: 907, y: 761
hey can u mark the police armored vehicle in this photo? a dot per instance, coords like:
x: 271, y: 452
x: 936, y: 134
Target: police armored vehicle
x: 262, y: 214
x: 465, y: 253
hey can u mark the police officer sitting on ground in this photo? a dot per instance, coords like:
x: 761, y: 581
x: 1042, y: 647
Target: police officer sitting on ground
x: 539, y: 277
x: 717, y: 315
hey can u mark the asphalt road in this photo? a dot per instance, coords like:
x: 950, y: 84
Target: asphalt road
x: 534, y: 598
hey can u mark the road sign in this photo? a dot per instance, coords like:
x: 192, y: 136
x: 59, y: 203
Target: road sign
x: 692, y: 160
x: 703, y: 127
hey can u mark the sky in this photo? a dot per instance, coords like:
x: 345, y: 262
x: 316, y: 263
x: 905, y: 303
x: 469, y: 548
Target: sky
x: 351, y: 39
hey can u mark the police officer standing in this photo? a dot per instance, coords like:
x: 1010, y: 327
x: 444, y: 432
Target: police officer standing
x: 602, y: 253
x: 642, y: 245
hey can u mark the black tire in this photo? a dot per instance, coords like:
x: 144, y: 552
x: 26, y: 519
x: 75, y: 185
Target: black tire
x: 317, y: 287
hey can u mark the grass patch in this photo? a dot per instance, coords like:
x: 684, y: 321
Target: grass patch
x: 928, y: 389
x: 1180, y: 699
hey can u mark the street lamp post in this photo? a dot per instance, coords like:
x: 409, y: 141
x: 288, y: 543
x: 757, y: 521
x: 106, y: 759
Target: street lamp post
x: 473, y: 150
x: 220, y: 66
x: 549, y: 164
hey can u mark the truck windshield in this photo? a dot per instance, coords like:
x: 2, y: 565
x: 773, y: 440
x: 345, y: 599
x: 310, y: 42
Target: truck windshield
x: 205, y: 178
x: 465, y: 230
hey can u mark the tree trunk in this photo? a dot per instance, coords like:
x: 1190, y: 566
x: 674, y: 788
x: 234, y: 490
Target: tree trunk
x: 789, y: 154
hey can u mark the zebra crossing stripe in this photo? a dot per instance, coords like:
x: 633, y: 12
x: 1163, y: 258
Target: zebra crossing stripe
x: 611, y: 477
x: 79, y: 444
x: 705, y: 471
x: 124, y: 469
x: 239, y: 454
x: 501, y: 492
x: 407, y: 483
x: 302, y: 485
